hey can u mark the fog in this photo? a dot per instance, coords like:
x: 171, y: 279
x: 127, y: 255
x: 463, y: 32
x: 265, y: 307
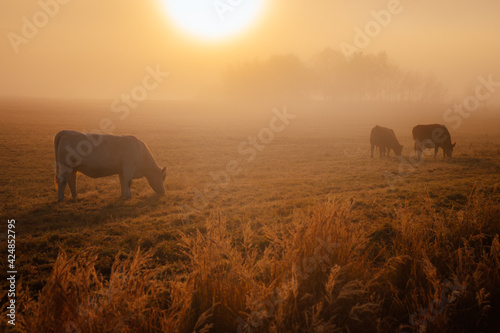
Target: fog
x: 100, y: 50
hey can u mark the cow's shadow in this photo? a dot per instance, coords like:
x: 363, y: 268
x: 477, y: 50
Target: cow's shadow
x: 82, y: 213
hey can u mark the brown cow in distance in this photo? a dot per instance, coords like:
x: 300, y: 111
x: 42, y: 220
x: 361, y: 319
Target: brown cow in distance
x: 432, y: 136
x: 385, y: 139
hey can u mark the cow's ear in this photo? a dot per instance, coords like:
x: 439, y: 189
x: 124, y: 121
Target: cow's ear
x: 401, y: 146
x: 164, y: 171
x: 454, y: 145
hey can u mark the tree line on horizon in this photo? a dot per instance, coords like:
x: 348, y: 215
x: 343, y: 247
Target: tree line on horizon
x: 330, y: 76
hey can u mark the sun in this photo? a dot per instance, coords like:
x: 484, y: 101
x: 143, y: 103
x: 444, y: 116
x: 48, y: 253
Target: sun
x: 213, y: 19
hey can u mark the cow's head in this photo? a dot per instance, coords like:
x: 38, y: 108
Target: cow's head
x: 448, y: 151
x: 398, y: 149
x: 156, y: 179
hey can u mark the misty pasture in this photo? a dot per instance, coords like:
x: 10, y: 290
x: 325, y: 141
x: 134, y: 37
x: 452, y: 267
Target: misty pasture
x: 304, y: 219
x: 276, y: 214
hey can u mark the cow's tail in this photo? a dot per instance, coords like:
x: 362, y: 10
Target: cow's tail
x: 57, y: 138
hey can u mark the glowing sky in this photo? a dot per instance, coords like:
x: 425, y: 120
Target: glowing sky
x: 98, y: 49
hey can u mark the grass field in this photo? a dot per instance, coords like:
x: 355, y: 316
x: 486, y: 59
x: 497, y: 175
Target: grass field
x: 311, y: 235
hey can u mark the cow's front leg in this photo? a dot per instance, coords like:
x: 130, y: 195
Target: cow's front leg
x: 126, y: 180
x: 373, y: 147
x: 125, y: 187
x: 436, y: 151
x: 122, y: 185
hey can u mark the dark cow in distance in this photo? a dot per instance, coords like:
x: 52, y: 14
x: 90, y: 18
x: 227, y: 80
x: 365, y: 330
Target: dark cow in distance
x: 432, y: 136
x: 385, y: 139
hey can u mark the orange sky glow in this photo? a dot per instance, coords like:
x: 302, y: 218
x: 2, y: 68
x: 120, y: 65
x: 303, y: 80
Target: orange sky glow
x: 98, y: 49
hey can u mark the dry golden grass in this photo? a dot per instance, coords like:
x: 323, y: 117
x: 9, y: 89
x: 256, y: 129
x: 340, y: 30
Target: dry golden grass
x: 321, y: 272
x: 75, y: 298
x: 309, y: 237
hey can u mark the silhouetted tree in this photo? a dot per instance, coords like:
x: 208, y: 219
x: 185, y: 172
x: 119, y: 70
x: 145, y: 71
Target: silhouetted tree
x: 279, y: 76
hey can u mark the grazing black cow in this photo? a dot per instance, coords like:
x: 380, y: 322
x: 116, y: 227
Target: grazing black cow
x: 385, y: 140
x: 432, y: 136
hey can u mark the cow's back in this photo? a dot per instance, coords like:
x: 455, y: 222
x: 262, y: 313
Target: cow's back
x: 376, y: 135
x: 436, y: 133
x: 423, y: 132
x: 383, y: 135
x: 97, y: 155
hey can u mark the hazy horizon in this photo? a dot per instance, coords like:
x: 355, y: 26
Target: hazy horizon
x: 100, y: 50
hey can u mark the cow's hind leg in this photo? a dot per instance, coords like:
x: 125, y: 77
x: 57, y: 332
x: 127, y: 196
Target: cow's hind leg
x: 418, y: 150
x: 62, y: 180
x: 436, y: 151
x: 72, y: 184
